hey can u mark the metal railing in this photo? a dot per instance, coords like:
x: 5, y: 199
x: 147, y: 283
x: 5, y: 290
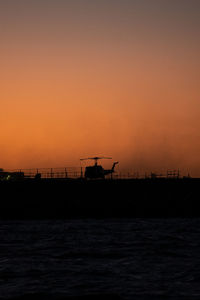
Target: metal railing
x: 69, y: 172
x: 78, y: 172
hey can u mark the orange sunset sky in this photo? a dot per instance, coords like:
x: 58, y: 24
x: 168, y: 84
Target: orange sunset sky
x: 92, y: 77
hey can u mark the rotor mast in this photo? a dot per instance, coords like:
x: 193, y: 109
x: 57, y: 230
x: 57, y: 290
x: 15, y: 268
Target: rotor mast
x: 96, y: 158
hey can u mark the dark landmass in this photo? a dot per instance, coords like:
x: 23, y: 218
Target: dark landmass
x: 67, y: 198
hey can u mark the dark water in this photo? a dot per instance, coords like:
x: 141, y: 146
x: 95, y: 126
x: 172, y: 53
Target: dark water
x: 132, y: 258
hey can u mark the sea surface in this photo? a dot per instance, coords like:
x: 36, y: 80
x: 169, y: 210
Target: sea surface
x: 133, y: 258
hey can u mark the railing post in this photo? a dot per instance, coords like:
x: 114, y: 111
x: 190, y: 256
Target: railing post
x: 81, y: 172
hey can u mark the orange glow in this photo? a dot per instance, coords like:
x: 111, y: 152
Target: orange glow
x: 99, y: 89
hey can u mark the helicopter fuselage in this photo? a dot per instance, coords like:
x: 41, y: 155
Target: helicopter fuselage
x: 97, y: 171
x: 94, y: 172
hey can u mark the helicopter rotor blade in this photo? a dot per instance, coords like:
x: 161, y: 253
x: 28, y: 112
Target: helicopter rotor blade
x: 96, y: 158
x: 87, y: 158
x: 100, y: 157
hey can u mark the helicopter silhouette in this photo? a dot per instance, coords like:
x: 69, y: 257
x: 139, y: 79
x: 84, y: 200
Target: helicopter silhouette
x: 97, y: 171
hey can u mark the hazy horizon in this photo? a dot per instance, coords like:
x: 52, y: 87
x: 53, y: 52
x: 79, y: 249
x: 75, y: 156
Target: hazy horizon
x: 112, y: 78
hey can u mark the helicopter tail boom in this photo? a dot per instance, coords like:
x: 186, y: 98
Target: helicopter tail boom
x: 106, y: 172
x: 114, y: 164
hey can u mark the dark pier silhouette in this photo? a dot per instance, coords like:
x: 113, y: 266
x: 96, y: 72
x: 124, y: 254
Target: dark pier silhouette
x: 105, y: 198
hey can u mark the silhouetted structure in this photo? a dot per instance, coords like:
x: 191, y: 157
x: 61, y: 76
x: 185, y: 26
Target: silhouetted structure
x: 11, y: 175
x: 56, y: 193
x: 97, y: 171
x: 81, y: 198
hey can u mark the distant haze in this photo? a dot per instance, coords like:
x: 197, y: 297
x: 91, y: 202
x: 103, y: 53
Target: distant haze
x: 119, y: 78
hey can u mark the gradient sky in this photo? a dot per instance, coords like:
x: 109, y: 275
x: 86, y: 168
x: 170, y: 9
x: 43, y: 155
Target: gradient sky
x: 118, y: 78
